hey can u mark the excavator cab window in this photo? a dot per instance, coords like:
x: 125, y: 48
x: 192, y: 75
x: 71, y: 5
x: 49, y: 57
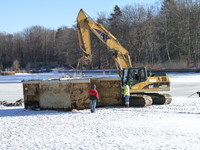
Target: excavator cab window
x: 133, y: 76
x: 124, y: 76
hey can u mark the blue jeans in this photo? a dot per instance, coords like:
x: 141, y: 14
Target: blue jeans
x: 92, y: 105
x: 127, y: 100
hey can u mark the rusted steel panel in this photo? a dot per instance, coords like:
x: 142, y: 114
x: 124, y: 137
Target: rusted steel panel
x: 79, y: 95
x: 53, y: 95
x: 31, y: 94
x: 109, y: 91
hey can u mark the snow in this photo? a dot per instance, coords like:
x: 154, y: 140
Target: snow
x: 157, y: 127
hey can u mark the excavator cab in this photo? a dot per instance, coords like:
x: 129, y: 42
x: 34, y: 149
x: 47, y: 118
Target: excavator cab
x: 133, y: 76
x: 141, y: 81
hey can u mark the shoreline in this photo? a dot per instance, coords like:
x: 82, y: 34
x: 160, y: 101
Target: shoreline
x: 183, y: 70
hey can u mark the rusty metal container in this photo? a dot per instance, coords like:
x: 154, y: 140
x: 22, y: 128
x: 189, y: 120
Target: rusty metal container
x: 70, y: 93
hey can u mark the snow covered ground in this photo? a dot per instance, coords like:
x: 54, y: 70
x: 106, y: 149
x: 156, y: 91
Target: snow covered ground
x: 158, y: 127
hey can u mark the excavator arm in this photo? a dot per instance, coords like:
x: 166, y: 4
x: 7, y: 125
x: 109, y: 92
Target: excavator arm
x: 85, y: 24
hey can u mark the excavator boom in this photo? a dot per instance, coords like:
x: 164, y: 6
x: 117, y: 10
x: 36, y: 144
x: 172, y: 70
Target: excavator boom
x: 85, y: 24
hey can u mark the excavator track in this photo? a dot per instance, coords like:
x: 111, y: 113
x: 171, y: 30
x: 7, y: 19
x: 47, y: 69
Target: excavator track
x: 147, y: 99
x: 140, y: 100
x: 160, y: 99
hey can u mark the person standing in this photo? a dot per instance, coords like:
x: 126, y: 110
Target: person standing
x: 126, y: 94
x: 94, y: 96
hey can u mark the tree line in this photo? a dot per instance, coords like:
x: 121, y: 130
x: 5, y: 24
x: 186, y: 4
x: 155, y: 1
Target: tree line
x: 156, y: 36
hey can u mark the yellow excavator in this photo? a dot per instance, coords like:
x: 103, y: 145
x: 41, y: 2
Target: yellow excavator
x: 144, y: 86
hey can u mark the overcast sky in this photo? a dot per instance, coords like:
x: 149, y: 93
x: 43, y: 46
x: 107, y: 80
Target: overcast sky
x: 16, y: 15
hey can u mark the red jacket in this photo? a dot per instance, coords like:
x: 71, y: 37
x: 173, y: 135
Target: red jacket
x: 94, y: 95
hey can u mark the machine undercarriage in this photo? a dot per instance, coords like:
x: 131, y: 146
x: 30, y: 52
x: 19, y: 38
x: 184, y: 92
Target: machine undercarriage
x: 147, y: 99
